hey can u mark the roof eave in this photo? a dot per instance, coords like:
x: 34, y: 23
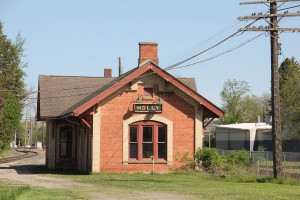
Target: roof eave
x: 44, y: 118
x: 199, y: 98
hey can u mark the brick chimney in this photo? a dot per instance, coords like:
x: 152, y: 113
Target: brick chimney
x: 107, y: 73
x: 148, y: 50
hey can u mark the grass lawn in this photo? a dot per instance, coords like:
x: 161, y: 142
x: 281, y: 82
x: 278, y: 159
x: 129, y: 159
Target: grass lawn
x: 12, y: 192
x: 195, y: 184
x: 190, y: 185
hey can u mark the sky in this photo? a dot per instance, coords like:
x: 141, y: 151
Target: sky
x: 82, y: 37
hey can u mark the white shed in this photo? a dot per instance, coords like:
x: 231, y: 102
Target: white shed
x: 247, y: 136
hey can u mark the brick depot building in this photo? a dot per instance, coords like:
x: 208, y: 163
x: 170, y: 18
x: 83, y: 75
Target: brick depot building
x: 106, y: 124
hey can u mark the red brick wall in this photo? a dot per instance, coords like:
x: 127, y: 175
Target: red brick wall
x: 120, y: 108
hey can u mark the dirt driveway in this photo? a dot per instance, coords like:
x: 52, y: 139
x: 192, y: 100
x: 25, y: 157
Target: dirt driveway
x: 20, y: 173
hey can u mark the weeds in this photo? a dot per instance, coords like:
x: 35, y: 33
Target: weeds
x: 12, y: 193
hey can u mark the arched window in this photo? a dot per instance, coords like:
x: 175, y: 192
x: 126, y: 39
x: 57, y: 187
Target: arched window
x: 65, y: 142
x: 146, y: 139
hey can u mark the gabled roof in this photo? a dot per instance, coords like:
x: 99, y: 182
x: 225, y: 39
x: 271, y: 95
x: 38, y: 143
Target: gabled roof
x: 210, y: 110
x: 60, y: 96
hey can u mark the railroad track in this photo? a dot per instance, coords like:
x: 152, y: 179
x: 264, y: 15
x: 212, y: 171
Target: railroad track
x: 27, y: 154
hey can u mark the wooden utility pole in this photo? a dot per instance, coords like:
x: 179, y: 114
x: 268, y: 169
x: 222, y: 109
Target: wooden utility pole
x: 273, y: 29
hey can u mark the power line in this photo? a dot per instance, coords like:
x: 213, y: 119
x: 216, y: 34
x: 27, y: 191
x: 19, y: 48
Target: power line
x: 53, y: 97
x: 210, y: 39
x: 228, y: 51
x: 7, y: 90
x: 213, y: 46
x: 190, y: 58
x: 288, y: 8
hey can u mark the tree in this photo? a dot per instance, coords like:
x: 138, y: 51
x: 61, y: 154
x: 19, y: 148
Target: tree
x: 289, y: 84
x: 12, y: 87
x: 240, y: 106
x: 232, y: 97
x: 254, y: 106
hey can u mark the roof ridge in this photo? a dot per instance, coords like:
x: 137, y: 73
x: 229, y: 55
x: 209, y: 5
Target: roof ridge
x: 75, y: 76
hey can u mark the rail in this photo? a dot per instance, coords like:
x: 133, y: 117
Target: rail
x: 27, y: 154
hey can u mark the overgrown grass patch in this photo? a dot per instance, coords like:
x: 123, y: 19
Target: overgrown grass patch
x: 199, y: 185
x: 11, y: 192
x: 5, y: 153
x: 49, y: 194
x: 232, y: 178
x: 19, y: 192
x: 195, y: 184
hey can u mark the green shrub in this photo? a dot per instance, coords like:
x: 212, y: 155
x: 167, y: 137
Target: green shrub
x: 239, y: 158
x: 189, y: 163
x: 236, y: 164
x: 208, y: 158
x: 261, y: 148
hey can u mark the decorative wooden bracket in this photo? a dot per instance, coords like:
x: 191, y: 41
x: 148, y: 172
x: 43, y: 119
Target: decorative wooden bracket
x: 210, y: 121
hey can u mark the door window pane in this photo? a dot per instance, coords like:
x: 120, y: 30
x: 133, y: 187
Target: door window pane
x: 63, y: 136
x: 65, y: 146
x: 63, y: 149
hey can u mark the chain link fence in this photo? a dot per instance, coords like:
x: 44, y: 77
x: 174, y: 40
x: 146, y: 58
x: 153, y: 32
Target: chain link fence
x: 263, y: 162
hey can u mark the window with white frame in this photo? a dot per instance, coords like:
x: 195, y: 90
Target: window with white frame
x: 147, y: 140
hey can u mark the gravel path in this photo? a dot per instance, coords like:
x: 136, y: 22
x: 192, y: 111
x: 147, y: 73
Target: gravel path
x: 19, y: 172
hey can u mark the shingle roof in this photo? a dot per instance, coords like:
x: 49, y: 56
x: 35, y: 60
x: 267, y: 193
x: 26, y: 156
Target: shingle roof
x: 98, y: 90
x: 190, y: 82
x: 57, y: 94
x: 61, y: 95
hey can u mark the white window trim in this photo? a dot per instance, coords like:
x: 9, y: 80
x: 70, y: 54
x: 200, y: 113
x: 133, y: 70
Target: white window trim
x: 151, y: 118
